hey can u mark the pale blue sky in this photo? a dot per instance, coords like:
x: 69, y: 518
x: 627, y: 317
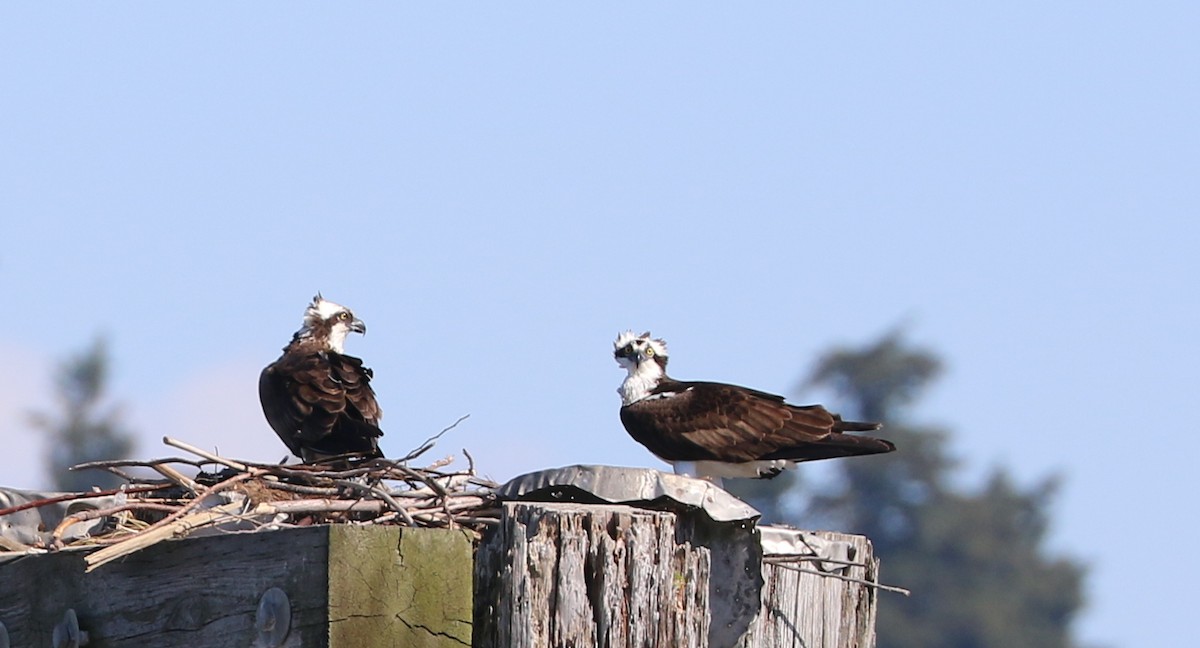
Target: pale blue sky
x: 497, y: 190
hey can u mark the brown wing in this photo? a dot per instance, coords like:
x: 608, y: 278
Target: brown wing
x: 321, y: 404
x: 702, y: 421
x: 355, y: 380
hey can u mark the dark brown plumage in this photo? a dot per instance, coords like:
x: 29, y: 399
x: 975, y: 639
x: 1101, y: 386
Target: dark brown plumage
x: 705, y: 421
x: 318, y: 399
x: 726, y: 430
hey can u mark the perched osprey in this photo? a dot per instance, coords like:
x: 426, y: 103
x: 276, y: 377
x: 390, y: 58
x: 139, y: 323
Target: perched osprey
x: 714, y: 430
x: 318, y: 399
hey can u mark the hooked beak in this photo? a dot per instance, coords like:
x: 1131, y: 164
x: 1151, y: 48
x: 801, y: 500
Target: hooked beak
x: 358, y: 326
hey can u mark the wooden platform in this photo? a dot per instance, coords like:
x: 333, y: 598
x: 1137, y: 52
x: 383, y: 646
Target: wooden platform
x: 550, y: 575
x: 347, y: 586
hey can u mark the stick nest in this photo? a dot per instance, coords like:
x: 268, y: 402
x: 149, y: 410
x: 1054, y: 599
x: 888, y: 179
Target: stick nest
x: 230, y: 495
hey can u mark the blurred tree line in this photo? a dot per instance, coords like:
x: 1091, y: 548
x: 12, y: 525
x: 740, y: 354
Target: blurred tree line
x: 975, y: 560
x: 83, y: 428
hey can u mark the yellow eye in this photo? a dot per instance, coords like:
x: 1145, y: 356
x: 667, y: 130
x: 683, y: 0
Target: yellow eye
x: 649, y: 352
x: 343, y: 315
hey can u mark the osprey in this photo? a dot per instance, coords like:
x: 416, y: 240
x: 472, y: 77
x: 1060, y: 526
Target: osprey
x: 714, y: 430
x: 318, y: 399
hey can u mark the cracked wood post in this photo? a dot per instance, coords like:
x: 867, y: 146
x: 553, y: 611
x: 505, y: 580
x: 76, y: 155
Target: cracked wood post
x: 348, y: 586
x: 805, y: 609
x: 614, y: 576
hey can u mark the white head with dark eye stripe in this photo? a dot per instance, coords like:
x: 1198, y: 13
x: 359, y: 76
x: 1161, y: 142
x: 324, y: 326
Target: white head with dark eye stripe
x: 645, y: 359
x: 632, y: 350
x: 330, y: 323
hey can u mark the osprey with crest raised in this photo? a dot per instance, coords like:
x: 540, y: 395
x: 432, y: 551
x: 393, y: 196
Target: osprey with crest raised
x: 714, y: 430
x: 318, y: 399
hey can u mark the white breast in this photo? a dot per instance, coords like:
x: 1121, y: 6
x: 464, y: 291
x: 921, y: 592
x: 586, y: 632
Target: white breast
x: 640, y: 382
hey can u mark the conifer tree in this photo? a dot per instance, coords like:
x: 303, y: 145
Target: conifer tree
x: 975, y: 559
x: 83, y: 429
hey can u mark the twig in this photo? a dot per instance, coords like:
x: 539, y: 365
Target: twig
x: 215, y: 488
x: 135, y: 462
x: 302, y: 489
x: 782, y: 559
x: 375, y: 490
x: 319, y: 506
x: 425, y: 479
x: 92, y: 514
x: 8, y: 544
x: 119, y: 473
x: 851, y: 579
x: 207, y: 455
x: 177, y: 477
x: 431, y: 441
x: 476, y: 519
x: 78, y: 496
x: 155, y: 535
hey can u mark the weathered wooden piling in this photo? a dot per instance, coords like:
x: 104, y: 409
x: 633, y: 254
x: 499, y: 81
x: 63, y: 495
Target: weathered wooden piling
x: 615, y: 576
x: 804, y: 607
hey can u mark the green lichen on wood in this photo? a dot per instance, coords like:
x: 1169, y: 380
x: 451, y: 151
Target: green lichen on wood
x: 393, y: 586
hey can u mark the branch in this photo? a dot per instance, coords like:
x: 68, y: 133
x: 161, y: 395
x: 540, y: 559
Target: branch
x: 78, y: 496
x: 851, y: 579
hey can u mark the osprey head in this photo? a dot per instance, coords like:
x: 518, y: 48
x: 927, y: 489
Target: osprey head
x: 632, y: 350
x: 330, y: 323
